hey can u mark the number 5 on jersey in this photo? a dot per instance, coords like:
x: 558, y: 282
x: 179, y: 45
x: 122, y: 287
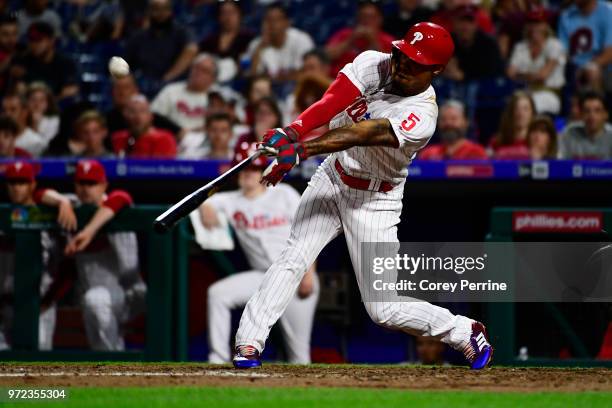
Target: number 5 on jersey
x: 411, y: 122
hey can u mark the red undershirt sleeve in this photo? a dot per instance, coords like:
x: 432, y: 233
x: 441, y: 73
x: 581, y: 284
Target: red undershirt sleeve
x: 117, y: 200
x: 338, y: 97
x: 38, y: 195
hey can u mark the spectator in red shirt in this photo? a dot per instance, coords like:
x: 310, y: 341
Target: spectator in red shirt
x: 142, y: 139
x: 9, y: 131
x: 511, y: 140
x: 367, y: 34
x: 452, y: 128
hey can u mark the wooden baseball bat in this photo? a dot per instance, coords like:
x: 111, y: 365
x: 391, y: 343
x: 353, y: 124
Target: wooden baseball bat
x: 174, y: 214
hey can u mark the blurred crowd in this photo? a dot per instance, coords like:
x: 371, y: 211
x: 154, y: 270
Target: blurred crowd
x: 530, y: 79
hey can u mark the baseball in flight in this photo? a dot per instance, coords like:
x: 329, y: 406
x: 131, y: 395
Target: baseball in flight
x: 118, y: 67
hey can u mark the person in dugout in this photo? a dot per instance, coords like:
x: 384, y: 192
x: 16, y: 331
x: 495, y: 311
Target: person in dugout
x: 20, y: 178
x: 108, y: 273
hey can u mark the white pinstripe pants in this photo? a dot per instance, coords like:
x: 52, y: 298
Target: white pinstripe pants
x: 328, y: 208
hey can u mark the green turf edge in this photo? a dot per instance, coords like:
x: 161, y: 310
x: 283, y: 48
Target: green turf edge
x: 227, y: 397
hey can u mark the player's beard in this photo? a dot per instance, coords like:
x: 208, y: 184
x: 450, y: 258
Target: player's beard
x: 449, y: 136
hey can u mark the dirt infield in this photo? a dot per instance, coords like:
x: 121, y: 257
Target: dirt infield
x: 418, y: 378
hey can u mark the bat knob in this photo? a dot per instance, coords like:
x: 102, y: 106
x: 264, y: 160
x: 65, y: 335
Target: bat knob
x: 160, y: 227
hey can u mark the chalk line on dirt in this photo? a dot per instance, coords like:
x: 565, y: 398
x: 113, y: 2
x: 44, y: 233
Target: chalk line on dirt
x: 206, y: 373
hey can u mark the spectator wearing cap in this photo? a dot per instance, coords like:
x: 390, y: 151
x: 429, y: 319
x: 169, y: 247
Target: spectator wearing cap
x: 278, y: 51
x: 409, y: 12
x: 90, y: 133
x: 164, y: 50
x: 185, y: 102
x: 22, y: 191
x: 539, y: 61
x: 347, y: 43
x: 590, y: 138
x: 38, y: 11
x: 452, y: 129
x: 9, y: 46
x: 476, y: 53
x: 123, y: 89
x: 230, y: 41
x: 111, y: 288
x: 585, y: 29
x: 42, y: 62
x: 142, y: 139
x: 15, y: 106
x: 511, y: 140
x: 542, y: 139
x: 8, y: 134
x: 446, y: 13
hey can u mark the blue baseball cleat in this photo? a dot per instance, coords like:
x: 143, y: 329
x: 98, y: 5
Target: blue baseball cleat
x: 479, y: 352
x: 246, y: 357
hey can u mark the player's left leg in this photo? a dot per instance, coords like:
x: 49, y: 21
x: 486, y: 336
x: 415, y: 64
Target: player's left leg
x: 373, y: 217
x: 46, y: 328
x: 296, y: 325
x: 223, y: 296
x: 315, y: 224
x: 100, y: 313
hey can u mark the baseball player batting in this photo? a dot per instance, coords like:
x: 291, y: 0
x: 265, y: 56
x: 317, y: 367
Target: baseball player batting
x: 261, y: 218
x: 381, y: 111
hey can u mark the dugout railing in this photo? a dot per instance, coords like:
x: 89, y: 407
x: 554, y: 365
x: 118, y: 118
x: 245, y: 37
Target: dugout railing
x: 501, y: 317
x: 166, y: 303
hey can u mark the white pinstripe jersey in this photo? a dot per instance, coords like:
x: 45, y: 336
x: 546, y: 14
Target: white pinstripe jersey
x: 262, y: 224
x: 413, y: 119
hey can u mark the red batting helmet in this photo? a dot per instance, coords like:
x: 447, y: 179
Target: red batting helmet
x: 244, y: 150
x: 427, y: 44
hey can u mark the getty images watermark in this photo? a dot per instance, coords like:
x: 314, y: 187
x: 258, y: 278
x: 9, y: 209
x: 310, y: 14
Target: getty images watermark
x: 487, y: 271
x: 422, y: 263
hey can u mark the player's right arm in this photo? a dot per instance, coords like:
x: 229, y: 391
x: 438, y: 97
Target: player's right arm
x: 115, y: 202
x: 65, y: 213
x: 376, y: 132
